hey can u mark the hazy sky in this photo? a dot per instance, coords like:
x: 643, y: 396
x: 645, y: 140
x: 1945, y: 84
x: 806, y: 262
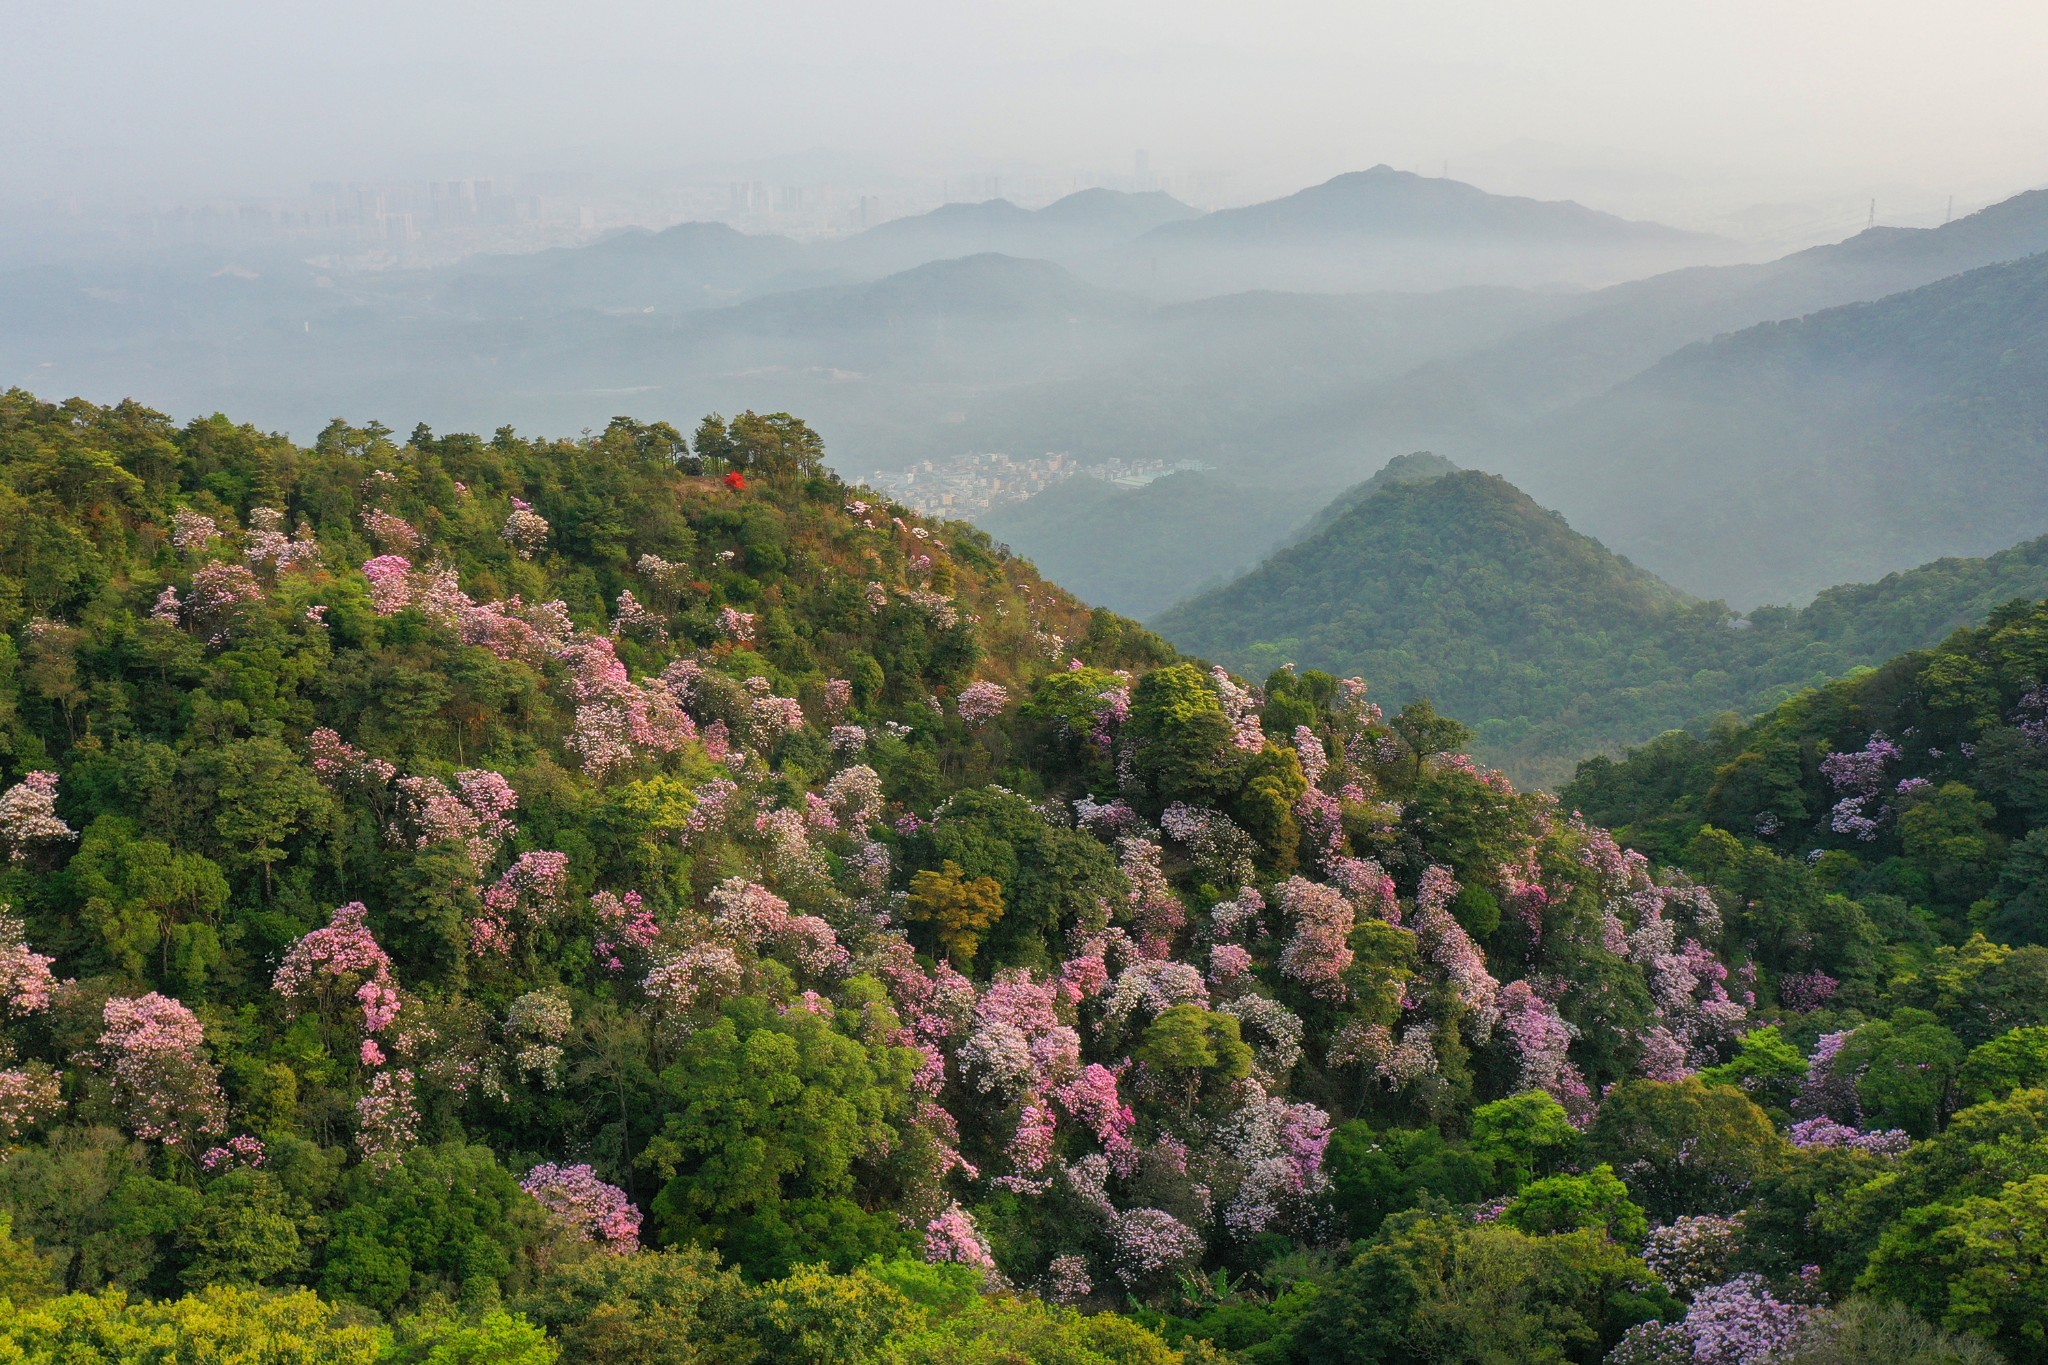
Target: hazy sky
x: 1759, y: 96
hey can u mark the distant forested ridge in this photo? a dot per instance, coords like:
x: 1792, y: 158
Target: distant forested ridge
x: 639, y: 899
x: 1461, y: 589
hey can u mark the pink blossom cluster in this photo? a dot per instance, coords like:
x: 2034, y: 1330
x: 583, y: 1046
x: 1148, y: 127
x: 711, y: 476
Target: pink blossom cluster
x: 1104, y: 819
x: 756, y: 916
x: 168, y: 610
x: 1805, y: 992
x: 938, y: 608
x: 592, y: 1209
x: 1541, y: 1040
x: 1318, y: 952
x: 192, y: 531
x: 1445, y: 943
x: 1221, y: 852
x: 623, y: 923
x: 474, y: 814
x: 267, y: 546
x: 1860, y: 776
x: 1688, y: 984
x: 1067, y: 1279
x: 1030, y: 1148
x: 1149, y: 987
x: 29, y: 1096
x: 153, y: 1053
x: 855, y: 795
x: 1229, y: 964
x: 615, y: 717
x: 1091, y: 1099
x: 529, y: 892
x: 390, y: 579
x: 1241, y: 706
x: 952, y: 1236
x: 1368, y: 885
x: 848, y: 739
x: 1691, y: 1253
x: 393, y: 534
x: 1238, y: 917
x: 525, y: 530
x: 981, y: 702
x: 1315, y: 759
x: 240, y: 1151
x: 1016, y: 1040
x: 703, y: 974
x: 1148, y: 1242
x: 387, y: 1118
x: 1278, y: 1149
x: 342, y: 959
x: 342, y: 765
x: 1825, y: 1093
x: 28, y: 816
x: 1321, y: 817
x: 1825, y: 1132
x: 736, y: 625
x: 1274, y: 1032
x: 838, y: 696
x: 25, y: 979
x: 1742, y: 1323
x: 630, y: 618
x: 1155, y: 911
x: 772, y: 717
x: 219, y: 593
x: 672, y: 575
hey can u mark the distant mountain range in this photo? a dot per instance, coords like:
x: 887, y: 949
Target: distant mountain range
x: 1693, y: 463
x: 1462, y: 589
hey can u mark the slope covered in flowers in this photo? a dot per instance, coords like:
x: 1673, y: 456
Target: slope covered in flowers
x: 643, y: 891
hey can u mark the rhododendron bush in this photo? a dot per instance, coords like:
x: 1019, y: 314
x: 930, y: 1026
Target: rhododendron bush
x: 505, y: 857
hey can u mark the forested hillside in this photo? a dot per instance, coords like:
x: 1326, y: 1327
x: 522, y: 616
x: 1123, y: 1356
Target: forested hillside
x: 1767, y: 464
x: 639, y: 899
x: 1461, y: 589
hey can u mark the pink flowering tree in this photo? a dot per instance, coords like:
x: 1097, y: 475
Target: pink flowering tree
x: 337, y: 963
x: 981, y: 702
x: 152, y: 1053
x: 953, y: 1236
x: 28, y: 817
x: 1318, y: 952
x: 525, y: 530
x: 1150, y: 1244
x: 390, y: 580
x: 388, y: 1118
x: 26, y: 982
x: 30, y: 1096
x: 591, y: 1209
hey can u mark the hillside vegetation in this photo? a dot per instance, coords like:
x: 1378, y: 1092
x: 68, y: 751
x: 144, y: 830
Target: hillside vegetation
x: 639, y: 899
x: 1461, y: 589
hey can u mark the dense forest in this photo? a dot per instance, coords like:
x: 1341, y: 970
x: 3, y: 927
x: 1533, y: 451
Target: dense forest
x: 1461, y: 589
x: 638, y: 899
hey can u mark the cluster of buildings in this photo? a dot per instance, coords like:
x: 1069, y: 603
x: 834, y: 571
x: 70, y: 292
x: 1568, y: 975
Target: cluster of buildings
x: 968, y: 485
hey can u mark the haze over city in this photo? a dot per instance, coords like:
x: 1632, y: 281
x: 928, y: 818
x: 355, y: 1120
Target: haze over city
x: 1752, y: 119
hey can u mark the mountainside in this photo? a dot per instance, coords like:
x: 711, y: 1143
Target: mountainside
x: 1461, y: 589
x: 519, y: 901
x: 1918, y: 783
x: 1389, y: 229
x: 1081, y: 224
x: 1856, y: 441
